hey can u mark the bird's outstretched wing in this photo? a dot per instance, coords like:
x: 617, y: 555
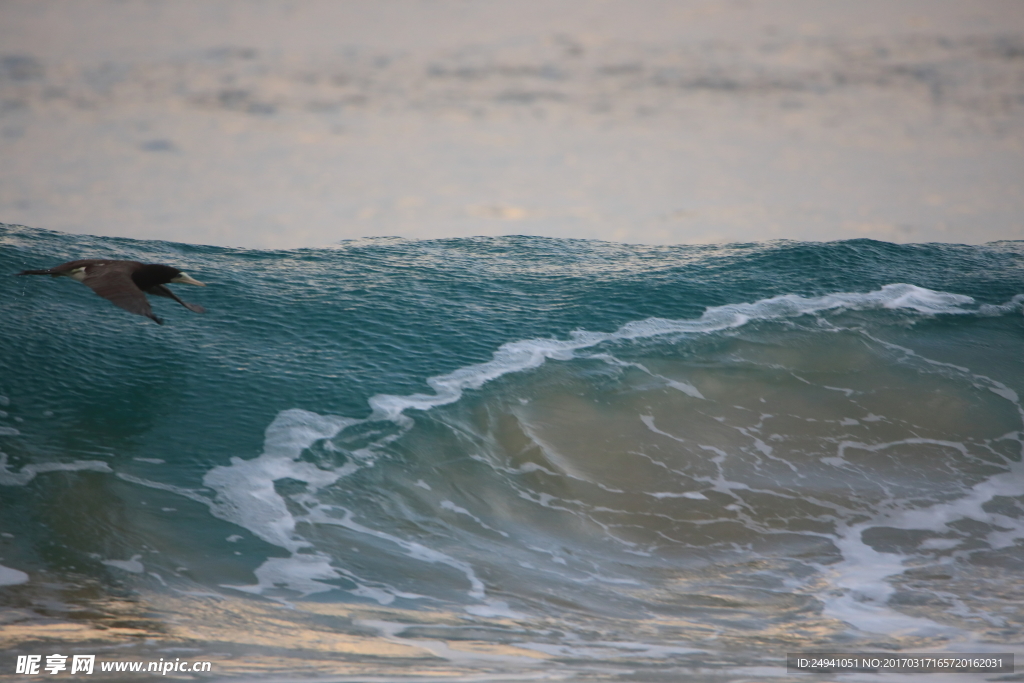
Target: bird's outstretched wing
x: 161, y: 290
x: 115, y: 284
x: 64, y: 268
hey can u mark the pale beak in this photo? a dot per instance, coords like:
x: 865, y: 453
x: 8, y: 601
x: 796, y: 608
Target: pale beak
x: 186, y: 280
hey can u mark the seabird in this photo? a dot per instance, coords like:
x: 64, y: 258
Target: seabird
x: 123, y: 282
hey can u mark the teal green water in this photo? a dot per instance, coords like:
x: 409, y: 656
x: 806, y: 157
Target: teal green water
x: 610, y: 458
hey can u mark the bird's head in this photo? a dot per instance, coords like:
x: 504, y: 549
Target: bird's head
x: 185, y: 279
x: 153, y: 274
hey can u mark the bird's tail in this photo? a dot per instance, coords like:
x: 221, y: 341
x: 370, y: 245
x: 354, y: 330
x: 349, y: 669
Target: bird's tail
x: 48, y: 271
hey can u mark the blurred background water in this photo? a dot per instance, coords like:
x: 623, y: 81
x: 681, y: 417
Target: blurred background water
x: 283, y: 124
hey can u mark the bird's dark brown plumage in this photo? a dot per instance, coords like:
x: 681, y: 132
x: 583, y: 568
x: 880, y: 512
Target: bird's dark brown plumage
x: 124, y: 282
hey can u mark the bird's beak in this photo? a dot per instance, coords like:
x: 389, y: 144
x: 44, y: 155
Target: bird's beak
x: 186, y: 280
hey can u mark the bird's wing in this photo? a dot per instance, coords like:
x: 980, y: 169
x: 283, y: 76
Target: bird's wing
x: 161, y: 290
x: 115, y: 284
x: 63, y: 268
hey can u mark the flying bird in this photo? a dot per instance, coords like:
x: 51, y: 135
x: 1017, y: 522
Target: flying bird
x: 123, y: 282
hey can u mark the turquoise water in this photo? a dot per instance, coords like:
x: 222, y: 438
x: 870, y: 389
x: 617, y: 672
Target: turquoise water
x: 515, y: 458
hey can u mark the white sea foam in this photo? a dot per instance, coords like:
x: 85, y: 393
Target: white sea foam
x: 132, y: 565
x: 452, y: 507
x: 412, y: 549
x: 29, y: 472
x: 246, y: 496
x: 494, y: 609
x: 694, y: 495
x: 603, y: 650
x: 684, y: 387
x: 392, y: 631
x: 12, y: 577
x: 971, y: 506
x: 862, y: 576
x: 245, y: 488
x: 301, y: 573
